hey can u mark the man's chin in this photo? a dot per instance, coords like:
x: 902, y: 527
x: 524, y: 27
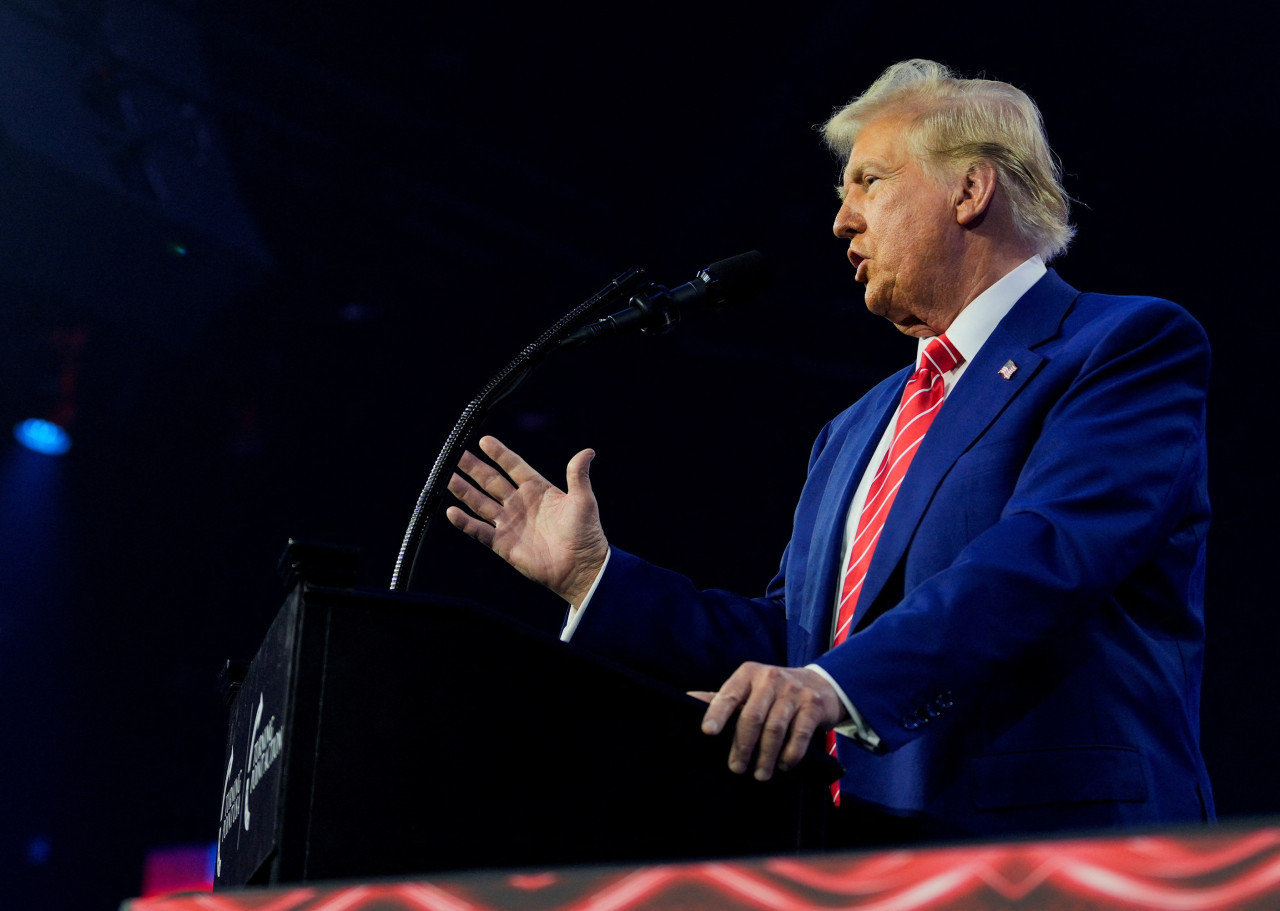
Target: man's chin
x: 915, y: 330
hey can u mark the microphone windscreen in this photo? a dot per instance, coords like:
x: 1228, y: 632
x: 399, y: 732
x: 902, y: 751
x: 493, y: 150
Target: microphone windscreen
x: 744, y: 275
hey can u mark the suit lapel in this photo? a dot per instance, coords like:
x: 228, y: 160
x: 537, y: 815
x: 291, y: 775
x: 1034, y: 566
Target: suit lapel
x: 853, y: 454
x: 971, y: 408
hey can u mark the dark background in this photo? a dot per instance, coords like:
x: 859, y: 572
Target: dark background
x: 296, y: 237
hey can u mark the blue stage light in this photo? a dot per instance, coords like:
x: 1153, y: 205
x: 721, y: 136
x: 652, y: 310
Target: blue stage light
x: 43, y: 436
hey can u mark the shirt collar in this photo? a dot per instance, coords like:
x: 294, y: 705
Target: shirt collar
x: 974, y: 324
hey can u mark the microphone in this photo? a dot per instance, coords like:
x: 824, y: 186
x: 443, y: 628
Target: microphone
x: 656, y: 308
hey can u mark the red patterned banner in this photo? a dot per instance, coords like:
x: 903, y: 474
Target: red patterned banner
x: 1201, y: 870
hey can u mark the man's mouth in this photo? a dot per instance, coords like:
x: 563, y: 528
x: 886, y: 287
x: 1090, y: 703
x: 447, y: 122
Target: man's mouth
x: 860, y: 267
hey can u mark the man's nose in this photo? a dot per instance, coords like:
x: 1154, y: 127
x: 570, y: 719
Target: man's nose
x: 848, y: 222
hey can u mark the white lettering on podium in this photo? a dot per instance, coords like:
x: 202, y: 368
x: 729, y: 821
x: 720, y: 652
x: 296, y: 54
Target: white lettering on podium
x: 264, y: 750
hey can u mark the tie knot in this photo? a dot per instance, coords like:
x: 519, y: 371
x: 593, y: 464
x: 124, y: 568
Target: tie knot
x: 941, y: 356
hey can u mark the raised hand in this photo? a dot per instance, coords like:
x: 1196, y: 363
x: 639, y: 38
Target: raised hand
x: 551, y: 536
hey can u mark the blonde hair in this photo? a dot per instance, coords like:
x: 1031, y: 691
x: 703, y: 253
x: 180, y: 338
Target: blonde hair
x: 957, y: 122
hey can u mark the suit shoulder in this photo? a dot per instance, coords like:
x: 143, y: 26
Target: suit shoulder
x: 1106, y: 331
x: 1109, y: 313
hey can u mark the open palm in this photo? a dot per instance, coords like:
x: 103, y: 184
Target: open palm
x: 550, y: 535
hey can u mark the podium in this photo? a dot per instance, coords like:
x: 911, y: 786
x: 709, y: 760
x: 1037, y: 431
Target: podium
x: 386, y: 734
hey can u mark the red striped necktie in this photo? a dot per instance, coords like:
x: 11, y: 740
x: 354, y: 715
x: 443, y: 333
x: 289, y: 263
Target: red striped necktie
x: 921, y: 401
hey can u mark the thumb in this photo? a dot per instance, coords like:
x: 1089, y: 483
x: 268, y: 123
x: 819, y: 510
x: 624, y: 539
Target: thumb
x: 578, y: 474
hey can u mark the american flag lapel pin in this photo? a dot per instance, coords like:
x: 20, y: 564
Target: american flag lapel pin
x: 1008, y: 370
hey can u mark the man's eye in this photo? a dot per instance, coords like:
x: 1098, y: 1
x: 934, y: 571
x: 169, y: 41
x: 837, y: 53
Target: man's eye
x: 869, y: 179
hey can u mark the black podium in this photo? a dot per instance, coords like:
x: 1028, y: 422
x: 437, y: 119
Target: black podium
x: 380, y: 734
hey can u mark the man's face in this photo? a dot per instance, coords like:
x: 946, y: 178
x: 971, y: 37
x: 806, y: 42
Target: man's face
x: 902, y: 231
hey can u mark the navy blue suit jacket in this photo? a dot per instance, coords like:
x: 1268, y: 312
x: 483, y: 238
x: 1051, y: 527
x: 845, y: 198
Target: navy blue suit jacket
x: 1028, y: 643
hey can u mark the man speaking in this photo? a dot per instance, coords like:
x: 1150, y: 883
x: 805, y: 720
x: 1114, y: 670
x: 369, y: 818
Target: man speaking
x: 991, y: 604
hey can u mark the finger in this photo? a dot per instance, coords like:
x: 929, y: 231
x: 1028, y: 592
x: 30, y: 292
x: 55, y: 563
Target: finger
x: 739, y: 693
x: 517, y: 469
x: 486, y: 477
x: 476, y: 500
x: 471, y: 526
x: 578, y: 474
x: 723, y: 704
x: 751, y: 722
x: 704, y: 695
x: 773, y: 736
x: 805, y: 724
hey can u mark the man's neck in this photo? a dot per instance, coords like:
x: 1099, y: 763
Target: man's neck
x: 983, y: 266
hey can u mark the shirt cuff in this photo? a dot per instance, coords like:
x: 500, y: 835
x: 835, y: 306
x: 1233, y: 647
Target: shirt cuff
x: 575, y: 613
x: 855, y: 728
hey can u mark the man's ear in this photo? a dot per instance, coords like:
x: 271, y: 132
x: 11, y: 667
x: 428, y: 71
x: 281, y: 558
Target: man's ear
x: 976, y: 190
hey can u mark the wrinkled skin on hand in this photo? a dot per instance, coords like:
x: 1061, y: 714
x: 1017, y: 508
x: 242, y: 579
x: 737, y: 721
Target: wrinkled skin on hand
x: 551, y: 536
x: 779, y: 710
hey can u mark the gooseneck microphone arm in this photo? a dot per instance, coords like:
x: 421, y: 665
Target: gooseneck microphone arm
x: 652, y: 309
x: 503, y: 383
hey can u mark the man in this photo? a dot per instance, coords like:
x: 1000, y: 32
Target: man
x: 996, y: 603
